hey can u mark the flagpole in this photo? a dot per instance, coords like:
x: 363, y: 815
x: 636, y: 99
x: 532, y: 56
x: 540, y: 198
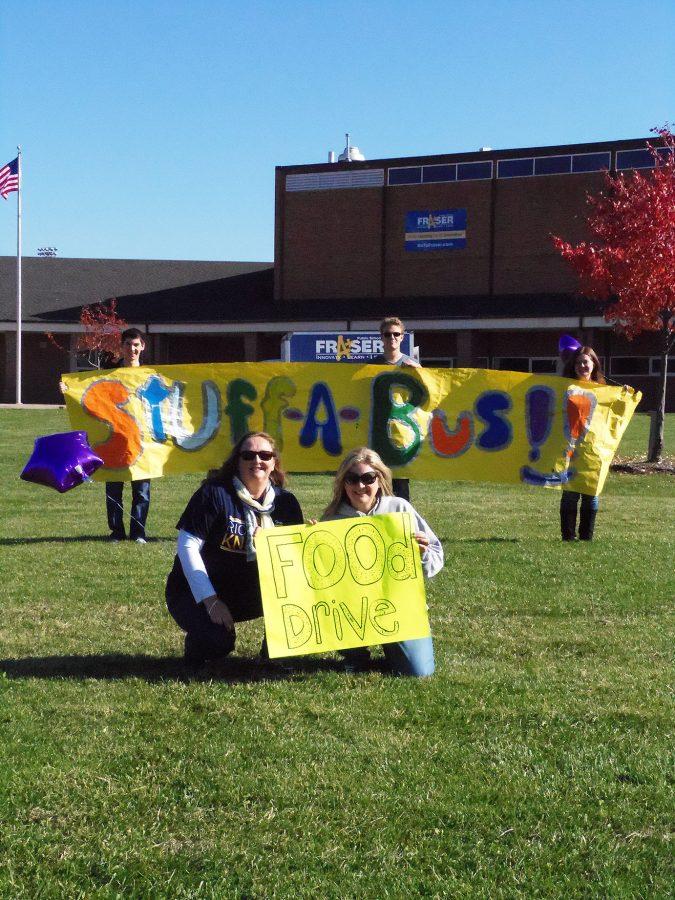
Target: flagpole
x: 18, y: 284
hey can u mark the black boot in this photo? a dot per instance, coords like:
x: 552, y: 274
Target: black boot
x: 587, y: 524
x: 568, y: 522
x: 193, y: 656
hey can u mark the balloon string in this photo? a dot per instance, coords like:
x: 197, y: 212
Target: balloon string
x: 132, y: 517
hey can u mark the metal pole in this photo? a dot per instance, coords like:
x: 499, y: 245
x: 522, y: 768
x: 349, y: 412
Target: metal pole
x: 18, y: 284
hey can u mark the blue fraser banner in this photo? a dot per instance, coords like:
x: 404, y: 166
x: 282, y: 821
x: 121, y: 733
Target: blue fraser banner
x: 440, y: 229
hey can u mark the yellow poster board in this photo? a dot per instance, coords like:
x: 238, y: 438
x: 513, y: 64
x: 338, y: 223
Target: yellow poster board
x: 446, y: 424
x: 346, y: 583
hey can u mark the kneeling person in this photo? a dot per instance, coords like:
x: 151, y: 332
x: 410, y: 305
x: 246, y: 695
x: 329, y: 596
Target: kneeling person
x: 362, y: 487
x: 214, y: 581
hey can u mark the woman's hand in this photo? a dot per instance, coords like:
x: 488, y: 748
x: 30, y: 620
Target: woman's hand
x: 312, y: 521
x: 218, y: 612
x: 422, y: 540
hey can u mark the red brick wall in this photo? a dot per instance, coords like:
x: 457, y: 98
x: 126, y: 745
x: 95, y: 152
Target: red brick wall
x: 332, y: 243
x: 527, y: 212
x: 42, y: 364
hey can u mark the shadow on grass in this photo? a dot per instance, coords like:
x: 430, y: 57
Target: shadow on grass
x: 117, y: 667
x: 74, y: 539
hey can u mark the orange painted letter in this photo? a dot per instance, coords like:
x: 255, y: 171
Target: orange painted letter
x: 103, y: 400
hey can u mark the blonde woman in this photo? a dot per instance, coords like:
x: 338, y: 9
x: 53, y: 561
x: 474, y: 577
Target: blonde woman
x: 362, y: 487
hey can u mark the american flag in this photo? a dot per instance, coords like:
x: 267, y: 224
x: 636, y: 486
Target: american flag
x: 9, y: 178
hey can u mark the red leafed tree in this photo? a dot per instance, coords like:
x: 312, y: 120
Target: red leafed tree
x: 629, y: 263
x: 101, y: 338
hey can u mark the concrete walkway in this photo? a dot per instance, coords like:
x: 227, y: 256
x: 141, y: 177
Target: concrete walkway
x: 32, y: 406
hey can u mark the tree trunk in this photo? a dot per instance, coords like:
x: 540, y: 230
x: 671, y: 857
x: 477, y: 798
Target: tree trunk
x: 656, y: 433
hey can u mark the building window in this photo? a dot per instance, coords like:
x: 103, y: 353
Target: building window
x: 638, y: 159
x: 439, y: 173
x: 471, y: 171
x: 634, y: 159
x: 630, y: 365
x: 439, y: 362
x: 515, y: 168
x: 538, y: 365
x: 482, y: 362
x: 655, y: 367
x: 544, y: 365
x: 406, y: 175
x: 553, y: 165
x: 590, y: 162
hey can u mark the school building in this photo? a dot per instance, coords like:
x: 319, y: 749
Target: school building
x: 458, y: 245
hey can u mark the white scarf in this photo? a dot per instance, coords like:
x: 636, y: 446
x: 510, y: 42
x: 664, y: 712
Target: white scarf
x: 257, y: 514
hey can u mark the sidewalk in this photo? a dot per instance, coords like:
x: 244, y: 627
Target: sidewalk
x: 32, y: 406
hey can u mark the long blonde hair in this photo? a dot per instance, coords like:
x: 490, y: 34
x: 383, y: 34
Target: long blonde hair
x: 359, y: 455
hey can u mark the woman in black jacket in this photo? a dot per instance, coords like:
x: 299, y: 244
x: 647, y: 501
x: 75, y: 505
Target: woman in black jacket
x: 214, y: 580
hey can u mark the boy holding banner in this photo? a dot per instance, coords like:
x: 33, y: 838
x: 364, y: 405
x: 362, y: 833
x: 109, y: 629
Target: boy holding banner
x: 392, y: 330
x: 133, y: 345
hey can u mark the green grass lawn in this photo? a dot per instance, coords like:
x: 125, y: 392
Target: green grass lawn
x: 538, y: 761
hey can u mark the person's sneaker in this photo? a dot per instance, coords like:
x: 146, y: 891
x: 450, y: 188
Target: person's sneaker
x: 115, y: 538
x: 140, y: 540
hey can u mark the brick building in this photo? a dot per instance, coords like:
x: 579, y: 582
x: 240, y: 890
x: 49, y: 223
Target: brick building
x: 496, y: 296
x: 480, y: 284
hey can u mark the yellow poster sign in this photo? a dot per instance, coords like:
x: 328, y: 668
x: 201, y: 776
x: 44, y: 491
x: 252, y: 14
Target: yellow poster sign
x: 449, y: 424
x: 346, y: 583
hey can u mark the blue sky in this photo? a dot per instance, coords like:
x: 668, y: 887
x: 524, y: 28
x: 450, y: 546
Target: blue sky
x: 152, y: 129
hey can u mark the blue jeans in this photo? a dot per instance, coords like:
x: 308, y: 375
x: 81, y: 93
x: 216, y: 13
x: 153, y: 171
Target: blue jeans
x: 414, y: 658
x: 140, y: 504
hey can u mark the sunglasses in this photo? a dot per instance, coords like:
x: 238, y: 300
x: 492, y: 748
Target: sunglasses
x: 365, y: 478
x: 249, y: 455
x: 391, y: 334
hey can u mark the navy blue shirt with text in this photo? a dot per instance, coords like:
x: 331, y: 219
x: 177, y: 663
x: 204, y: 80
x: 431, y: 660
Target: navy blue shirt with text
x: 216, y: 515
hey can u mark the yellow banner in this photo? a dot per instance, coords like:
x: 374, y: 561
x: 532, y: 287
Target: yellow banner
x: 347, y: 583
x: 449, y: 424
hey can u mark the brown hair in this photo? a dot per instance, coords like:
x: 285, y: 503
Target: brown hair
x: 569, y: 370
x: 359, y: 455
x: 391, y: 320
x: 129, y: 334
x: 229, y: 468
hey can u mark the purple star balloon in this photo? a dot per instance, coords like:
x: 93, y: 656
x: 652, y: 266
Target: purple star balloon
x: 61, y: 461
x: 567, y: 344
